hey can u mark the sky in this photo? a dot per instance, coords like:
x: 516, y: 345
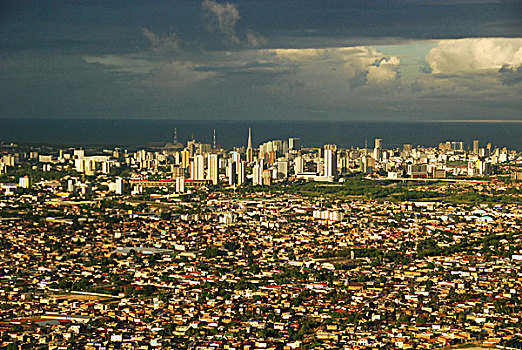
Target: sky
x: 385, y: 60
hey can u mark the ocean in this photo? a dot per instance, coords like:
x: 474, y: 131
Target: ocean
x: 136, y: 133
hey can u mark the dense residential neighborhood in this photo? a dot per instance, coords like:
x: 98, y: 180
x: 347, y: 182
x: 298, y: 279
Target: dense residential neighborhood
x: 277, y: 247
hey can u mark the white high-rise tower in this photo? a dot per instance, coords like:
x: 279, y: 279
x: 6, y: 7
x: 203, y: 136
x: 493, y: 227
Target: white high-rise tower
x: 330, y: 163
x: 213, y: 168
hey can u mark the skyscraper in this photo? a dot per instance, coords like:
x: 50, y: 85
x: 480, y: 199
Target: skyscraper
x: 282, y: 169
x: 330, y: 163
x: 232, y: 172
x: 241, y: 172
x: 377, y: 151
x: 197, y: 168
x: 298, y: 165
x: 294, y: 143
x: 213, y: 168
x: 185, y: 159
x: 475, y: 146
x: 257, y: 173
x: 235, y: 156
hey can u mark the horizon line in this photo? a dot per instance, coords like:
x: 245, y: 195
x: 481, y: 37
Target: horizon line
x: 275, y: 120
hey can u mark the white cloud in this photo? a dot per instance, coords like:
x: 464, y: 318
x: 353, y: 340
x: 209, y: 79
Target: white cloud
x: 162, y: 44
x: 173, y: 73
x: 222, y: 18
x: 123, y: 64
x: 385, y: 71
x: 356, y: 62
x: 332, y: 77
x: 474, y: 55
x: 181, y: 73
x: 298, y: 54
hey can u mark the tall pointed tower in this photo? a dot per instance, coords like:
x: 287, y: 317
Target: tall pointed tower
x: 249, y: 143
x: 249, y: 151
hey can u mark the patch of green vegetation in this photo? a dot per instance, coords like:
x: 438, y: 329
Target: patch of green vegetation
x: 35, y: 174
x: 357, y: 187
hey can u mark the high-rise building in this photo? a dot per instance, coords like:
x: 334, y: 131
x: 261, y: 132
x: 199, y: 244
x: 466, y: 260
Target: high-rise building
x: 90, y: 167
x: 79, y: 165
x: 476, y: 148
x: 241, y: 172
x: 267, y: 178
x: 256, y: 178
x: 192, y: 170
x: 330, y: 163
x: 457, y: 145
x: 185, y: 159
x: 377, y: 150
x: 213, y: 168
x: 298, y: 165
x: 119, y: 186
x: 294, y: 143
x: 199, y: 161
x: 282, y: 169
x: 232, y: 172
x: 106, y: 168
x: 180, y: 184
x: 257, y: 173
x: 235, y: 156
x: 191, y: 147
x: 285, y: 147
x: 367, y: 164
x: 8, y: 160
x: 271, y: 146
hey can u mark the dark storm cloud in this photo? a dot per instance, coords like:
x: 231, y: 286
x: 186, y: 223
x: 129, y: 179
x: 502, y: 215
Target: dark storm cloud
x: 35, y: 24
x: 511, y: 75
x: 231, y: 59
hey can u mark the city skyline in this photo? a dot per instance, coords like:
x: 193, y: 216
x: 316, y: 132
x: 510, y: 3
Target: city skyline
x: 229, y: 134
x: 236, y: 60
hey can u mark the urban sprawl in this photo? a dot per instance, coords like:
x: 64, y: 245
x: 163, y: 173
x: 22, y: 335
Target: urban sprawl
x: 278, y: 246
